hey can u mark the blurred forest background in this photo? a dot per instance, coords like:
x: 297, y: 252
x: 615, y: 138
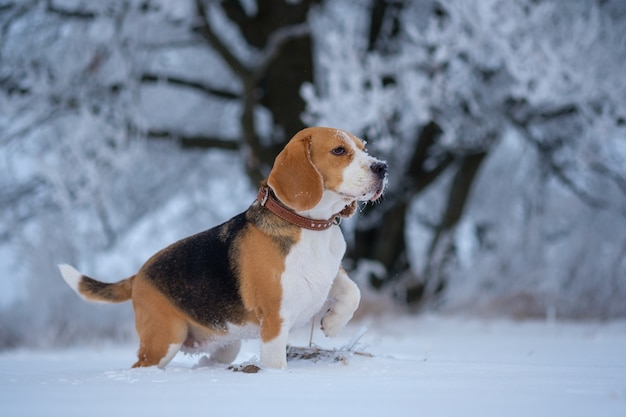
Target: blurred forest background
x: 128, y: 124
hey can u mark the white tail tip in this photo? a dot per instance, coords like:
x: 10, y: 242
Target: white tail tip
x: 71, y: 276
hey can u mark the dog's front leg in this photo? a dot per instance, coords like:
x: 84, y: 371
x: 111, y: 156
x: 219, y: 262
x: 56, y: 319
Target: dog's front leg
x: 344, y: 299
x: 274, y: 348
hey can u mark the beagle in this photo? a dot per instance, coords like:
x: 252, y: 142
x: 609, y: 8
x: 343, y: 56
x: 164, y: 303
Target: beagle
x: 262, y: 272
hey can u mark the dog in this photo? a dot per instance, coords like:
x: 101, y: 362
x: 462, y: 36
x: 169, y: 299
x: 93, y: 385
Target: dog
x: 266, y: 270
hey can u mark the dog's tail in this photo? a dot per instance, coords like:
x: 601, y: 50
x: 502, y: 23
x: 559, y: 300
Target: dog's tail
x: 93, y: 290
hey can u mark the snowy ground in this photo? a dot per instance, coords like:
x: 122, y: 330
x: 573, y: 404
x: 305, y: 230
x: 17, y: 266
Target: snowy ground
x: 422, y: 366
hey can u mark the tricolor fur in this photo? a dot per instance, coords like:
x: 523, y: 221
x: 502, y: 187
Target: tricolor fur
x: 255, y: 275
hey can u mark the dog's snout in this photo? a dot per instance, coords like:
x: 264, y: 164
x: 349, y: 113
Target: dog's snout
x: 379, y: 168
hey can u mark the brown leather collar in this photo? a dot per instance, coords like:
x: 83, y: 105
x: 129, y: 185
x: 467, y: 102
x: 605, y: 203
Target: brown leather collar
x: 267, y: 199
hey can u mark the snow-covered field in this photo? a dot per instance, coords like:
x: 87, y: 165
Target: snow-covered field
x: 421, y: 366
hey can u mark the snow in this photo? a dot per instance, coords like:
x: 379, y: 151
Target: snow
x: 421, y: 365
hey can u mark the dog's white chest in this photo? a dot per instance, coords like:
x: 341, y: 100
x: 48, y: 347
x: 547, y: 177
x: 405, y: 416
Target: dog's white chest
x: 310, y: 269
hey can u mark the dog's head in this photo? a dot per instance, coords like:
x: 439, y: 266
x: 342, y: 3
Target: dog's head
x: 322, y: 170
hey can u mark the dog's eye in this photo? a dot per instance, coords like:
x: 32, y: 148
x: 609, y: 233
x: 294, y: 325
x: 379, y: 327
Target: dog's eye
x: 340, y: 150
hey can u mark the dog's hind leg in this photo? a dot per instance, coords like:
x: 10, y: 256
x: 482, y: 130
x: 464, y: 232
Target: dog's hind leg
x: 161, y: 328
x: 159, y: 342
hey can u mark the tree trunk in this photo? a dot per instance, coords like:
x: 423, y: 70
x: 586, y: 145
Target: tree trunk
x: 433, y: 280
x: 281, y: 29
x: 384, y: 240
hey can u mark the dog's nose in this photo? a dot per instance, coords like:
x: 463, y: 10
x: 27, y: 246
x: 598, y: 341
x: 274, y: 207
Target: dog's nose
x: 379, y: 168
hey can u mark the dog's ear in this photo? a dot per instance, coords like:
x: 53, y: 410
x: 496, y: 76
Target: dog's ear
x: 295, y: 180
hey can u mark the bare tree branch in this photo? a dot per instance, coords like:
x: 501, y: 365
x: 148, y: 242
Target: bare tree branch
x: 14, y: 14
x: 34, y: 125
x: 66, y: 13
x: 258, y: 155
x: 12, y: 194
x: 604, y: 170
x: 195, y: 141
x: 522, y: 116
x: 253, y: 150
x: 195, y: 85
x: 207, y: 32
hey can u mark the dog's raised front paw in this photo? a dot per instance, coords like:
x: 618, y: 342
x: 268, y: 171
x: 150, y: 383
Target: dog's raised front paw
x: 333, y: 322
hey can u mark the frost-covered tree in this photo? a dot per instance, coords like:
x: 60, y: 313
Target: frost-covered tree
x: 504, y: 125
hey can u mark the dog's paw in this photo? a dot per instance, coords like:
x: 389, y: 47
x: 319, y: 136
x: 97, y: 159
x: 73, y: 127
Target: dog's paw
x: 333, y: 322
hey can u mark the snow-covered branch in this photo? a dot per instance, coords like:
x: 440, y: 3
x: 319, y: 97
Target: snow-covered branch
x: 195, y: 141
x: 196, y: 85
x: 207, y: 32
x: 275, y: 42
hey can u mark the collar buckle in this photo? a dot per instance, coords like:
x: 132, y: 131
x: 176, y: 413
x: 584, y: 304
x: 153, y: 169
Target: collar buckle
x: 263, y: 200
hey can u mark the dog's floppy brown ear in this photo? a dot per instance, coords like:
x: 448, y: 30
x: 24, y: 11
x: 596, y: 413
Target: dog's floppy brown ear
x: 294, y: 179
